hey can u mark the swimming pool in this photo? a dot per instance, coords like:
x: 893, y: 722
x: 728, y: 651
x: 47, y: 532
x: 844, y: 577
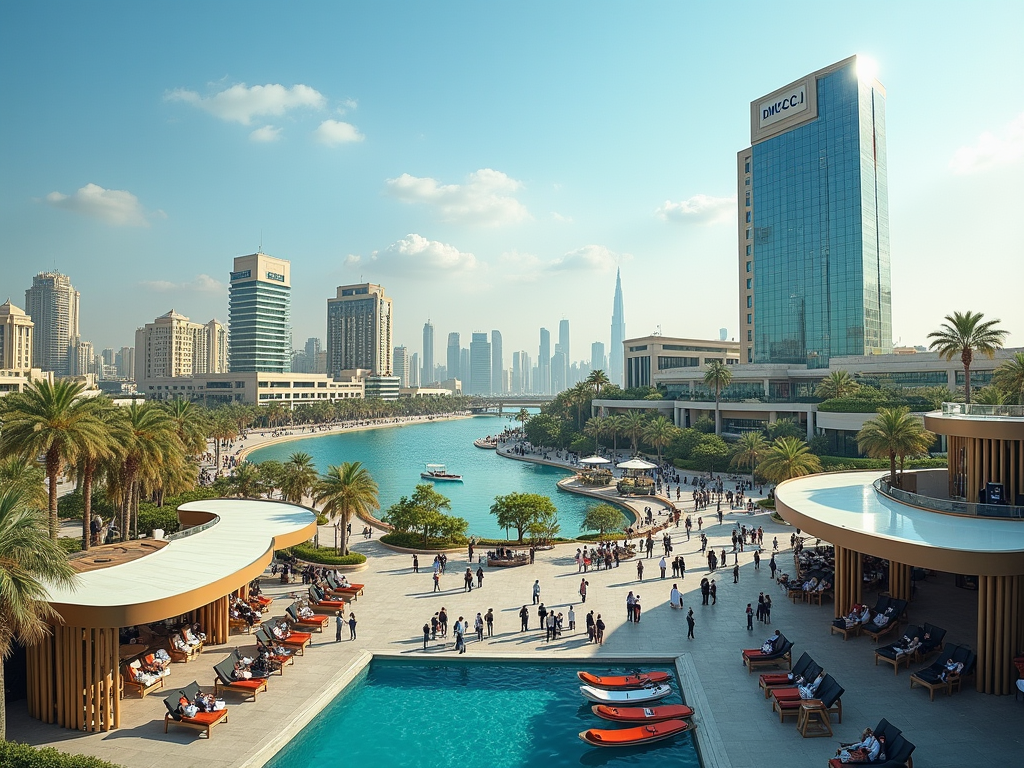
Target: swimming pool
x: 453, y: 715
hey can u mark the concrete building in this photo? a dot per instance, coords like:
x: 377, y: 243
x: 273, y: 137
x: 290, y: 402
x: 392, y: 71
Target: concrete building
x: 616, y: 371
x: 453, y: 358
x: 542, y: 386
x: 53, y: 305
x: 813, y: 222
x: 125, y: 362
x: 252, y: 387
x: 400, y: 365
x: 499, y: 383
x: 464, y: 364
x: 172, y: 345
x: 563, y: 344
x: 427, y: 376
x: 359, y: 330
x: 480, y: 365
x: 15, y: 338
x: 650, y: 355
x: 259, y: 305
x: 597, y: 358
x: 558, y: 370
x: 414, y: 370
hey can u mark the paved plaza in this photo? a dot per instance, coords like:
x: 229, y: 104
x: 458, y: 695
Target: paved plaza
x: 965, y: 729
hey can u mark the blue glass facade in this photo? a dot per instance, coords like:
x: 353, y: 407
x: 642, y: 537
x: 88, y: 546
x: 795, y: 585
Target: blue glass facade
x: 821, y: 230
x: 258, y: 320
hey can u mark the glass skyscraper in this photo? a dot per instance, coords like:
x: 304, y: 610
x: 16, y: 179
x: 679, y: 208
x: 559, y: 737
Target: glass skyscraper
x: 813, y: 222
x: 259, y: 302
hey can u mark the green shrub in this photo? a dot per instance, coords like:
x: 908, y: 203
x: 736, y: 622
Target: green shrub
x: 841, y: 463
x: 69, y: 544
x: 413, y: 540
x: 166, y: 517
x: 72, y: 506
x: 14, y: 755
x: 324, y: 555
x: 766, y: 503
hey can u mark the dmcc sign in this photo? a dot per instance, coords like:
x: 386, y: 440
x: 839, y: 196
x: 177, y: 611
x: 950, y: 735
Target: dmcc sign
x: 782, y: 106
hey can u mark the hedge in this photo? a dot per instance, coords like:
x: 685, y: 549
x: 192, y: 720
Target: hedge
x: 324, y: 555
x: 15, y: 755
x: 69, y: 544
x: 413, y: 540
x: 865, y: 405
x: 836, y: 463
x: 766, y: 503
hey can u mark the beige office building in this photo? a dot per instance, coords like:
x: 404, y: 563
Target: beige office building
x: 649, y: 358
x: 173, y: 346
x: 359, y: 330
x: 15, y: 338
x: 52, y: 303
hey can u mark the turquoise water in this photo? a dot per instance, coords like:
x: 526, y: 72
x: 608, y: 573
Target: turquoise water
x: 473, y: 715
x: 395, y: 457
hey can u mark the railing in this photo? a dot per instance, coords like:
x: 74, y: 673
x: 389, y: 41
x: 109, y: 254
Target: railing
x: 949, y: 506
x: 979, y: 410
x: 186, y: 532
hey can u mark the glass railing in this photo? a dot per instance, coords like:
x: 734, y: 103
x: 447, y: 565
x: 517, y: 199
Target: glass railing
x: 948, y: 506
x: 186, y: 532
x: 980, y: 410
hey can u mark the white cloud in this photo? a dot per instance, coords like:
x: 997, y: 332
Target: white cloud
x: 415, y: 253
x: 240, y: 103
x: 332, y: 132
x: 991, y: 150
x: 590, y: 258
x: 200, y: 284
x: 265, y: 134
x: 487, y: 197
x: 114, y: 206
x: 701, y: 209
x: 559, y: 217
x: 349, y: 104
x: 352, y: 259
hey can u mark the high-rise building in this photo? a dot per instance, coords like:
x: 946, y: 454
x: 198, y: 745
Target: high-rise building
x: 464, y: 367
x: 527, y: 371
x: 497, y: 364
x: 558, y: 370
x: 597, y: 361
x: 400, y: 365
x: 454, y: 358
x: 563, y: 342
x: 543, y: 384
x: 479, y: 365
x: 259, y: 303
x: 174, y: 346
x: 814, y: 222
x: 81, y: 358
x: 15, y: 338
x: 125, y: 361
x: 359, y: 330
x: 428, y: 353
x: 414, y: 370
x: 516, y: 382
x: 53, y: 305
x: 615, y: 360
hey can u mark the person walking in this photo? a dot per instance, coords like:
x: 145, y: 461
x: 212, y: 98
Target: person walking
x: 571, y: 617
x: 705, y: 591
x: 460, y: 640
x: 767, y: 609
x: 479, y: 577
x: 583, y: 590
x: 689, y: 624
x: 599, y: 627
x: 591, y: 629
x: 524, y: 619
x: 415, y: 564
x: 442, y: 622
x: 630, y: 599
x: 639, y: 570
x: 437, y: 581
x: 351, y: 626
x: 750, y: 618
x: 636, y: 610
x: 757, y: 561
x: 662, y: 565
x: 478, y: 625
x: 339, y: 622
x: 536, y: 591
x: 736, y: 574
x: 549, y: 626
x: 489, y: 621
x: 433, y: 627
x: 468, y: 579
x: 760, y: 607
x: 772, y: 566
x: 713, y: 588
x: 775, y: 544
x: 426, y: 635
x: 542, y: 613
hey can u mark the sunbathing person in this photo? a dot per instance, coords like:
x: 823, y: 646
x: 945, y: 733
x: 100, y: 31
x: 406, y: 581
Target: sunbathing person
x: 867, y: 750
x: 282, y: 631
x: 810, y: 690
x: 240, y: 672
x: 905, y: 646
x: 952, y: 669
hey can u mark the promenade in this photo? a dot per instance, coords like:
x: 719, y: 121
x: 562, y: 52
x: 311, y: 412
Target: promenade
x: 966, y: 729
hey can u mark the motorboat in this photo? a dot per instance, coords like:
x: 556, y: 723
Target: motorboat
x: 643, y: 714
x: 628, y: 681
x: 630, y: 696
x: 440, y: 472
x: 631, y: 737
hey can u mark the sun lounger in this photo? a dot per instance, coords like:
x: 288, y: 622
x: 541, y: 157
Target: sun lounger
x: 889, y: 655
x: 888, y: 733
x: 130, y: 680
x: 791, y: 690
x: 321, y: 600
x: 183, y: 654
x: 931, y: 644
x: 893, y: 611
x: 317, y: 621
x: 771, y: 680
x: 201, y: 721
x: 932, y: 678
x: 829, y: 696
x: 281, y: 660
x: 753, y: 658
x: 352, y: 590
x: 226, y: 682
x: 296, y: 640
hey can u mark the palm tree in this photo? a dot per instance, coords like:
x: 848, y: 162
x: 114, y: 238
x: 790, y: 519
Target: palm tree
x: 963, y: 334
x: 346, y: 488
x: 595, y: 428
x: 1009, y: 377
x: 836, y: 384
x: 92, y: 452
x: 28, y: 477
x: 717, y: 375
x: 596, y: 380
x: 788, y: 457
x: 49, y: 419
x: 190, y: 424
x: 298, y: 477
x: 990, y: 395
x: 616, y: 428
x: 223, y: 427
x: 633, y: 425
x: 31, y: 560
x: 579, y: 394
x: 659, y: 432
x: 748, y: 451
x: 245, y: 481
x: 522, y: 417
x: 894, y: 432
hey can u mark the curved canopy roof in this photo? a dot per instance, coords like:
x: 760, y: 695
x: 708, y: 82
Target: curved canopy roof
x: 594, y: 460
x: 636, y: 464
x: 188, y: 572
x: 845, y: 509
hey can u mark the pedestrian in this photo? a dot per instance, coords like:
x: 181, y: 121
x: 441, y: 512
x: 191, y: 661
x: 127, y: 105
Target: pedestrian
x: 536, y: 591
x: 689, y: 624
x: 682, y: 567
x: 630, y: 599
x: 478, y: 625
x: 583, y: 590
x: 662, y: 565
x: 705, y: 591
x: 760, y: 607
x: 426, y: 635
x: 549, y: 627
x: 591, y: 630
x: 572, y: 619
x: 599, y: 627
x: 489, y: 621
x: 437, y: 581
x: 767, y: 609
x: 639, y: 570
x: 757, y: 561
x: 542, y: 613
x: 719, y: 513
x: 468, y: 578
x: 351, y: 626
x: 442, y: 622
x: 415, y: 564
x: 480, y: 577
x: 736, y: 574
x: 533, y: 553
x: 433, y: 627
x: 460, y: 640
x: 636, y: 610
x: 700, y: 527
x: 471, y: 550
x: 750, y: 618
x: 775, y: 544
x: 772, y: 566
x: 524, y: 619
x: 339, y: 622
x: 713, y: 588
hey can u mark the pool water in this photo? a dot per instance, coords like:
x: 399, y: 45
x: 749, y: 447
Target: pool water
x: 469, y: 715
x: 395, y: 456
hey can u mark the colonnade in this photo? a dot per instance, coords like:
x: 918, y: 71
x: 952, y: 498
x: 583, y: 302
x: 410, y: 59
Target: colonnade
x: 1000, y: 632
x: 849, y: 582
x: 213, y: 617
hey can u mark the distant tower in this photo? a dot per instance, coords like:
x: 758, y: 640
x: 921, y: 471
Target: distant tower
x: 543, y: 384
x: 597, y: 359
x: 453, y: 356
x: 52, y: 304
x: 360, y: 330
x: 497, y: 364
x: 563, y: 342
x: 615, y: 365
x: 480, y: 366
x: 428, y: 353
x: 400, y: 365
x: 723, y: 334
x: 259, y: 301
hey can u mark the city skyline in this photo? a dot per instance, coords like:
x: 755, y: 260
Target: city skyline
x: 454, y: 203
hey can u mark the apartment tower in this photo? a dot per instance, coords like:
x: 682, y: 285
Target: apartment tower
x: 259, y: 304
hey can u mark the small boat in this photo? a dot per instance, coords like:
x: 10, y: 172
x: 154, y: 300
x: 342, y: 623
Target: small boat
x: 440, y: 472
x: 643, y: 714
x: 487, y: 443
x: 632, y: 696
x: 631, y: 737
x: 619, y: 683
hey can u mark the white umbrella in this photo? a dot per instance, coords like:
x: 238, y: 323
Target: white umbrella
x: 636, y: 464
x: 594, y: 460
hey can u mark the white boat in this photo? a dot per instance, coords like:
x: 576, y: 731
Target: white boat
x: 633, y: 696
x: 440, y: 472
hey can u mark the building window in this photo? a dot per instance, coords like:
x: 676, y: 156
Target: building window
x: 750, y: 301
x: 750, y: 355
x: 748, y: 217
x: 750, y: 318
x: 750, y: 335
x: 746, y: 182
x: 750, y: 250
x: 750, y: 282
x: 748, y: 233
x: 746, y: 167
x: 748, y: 199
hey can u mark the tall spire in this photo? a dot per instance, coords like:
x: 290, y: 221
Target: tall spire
x: 615, y: 364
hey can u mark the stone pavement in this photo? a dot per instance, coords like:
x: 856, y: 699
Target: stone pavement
x: 966, y: 729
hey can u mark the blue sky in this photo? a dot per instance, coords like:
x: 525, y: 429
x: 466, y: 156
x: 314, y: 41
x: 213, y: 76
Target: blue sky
x: 489, y: 163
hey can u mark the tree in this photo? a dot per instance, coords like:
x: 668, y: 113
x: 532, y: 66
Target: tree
x: 424, y: 512
x: 710, y: 452
x: 223, y: 427
x: 1009, y: 377
x: 298, y: 477
x: 522, y: 417
x: 894, y: 433
x: 788, y: 457
x: 32, y: 561
x: 990, y: 395
x: 271, y: 476
x: 92, y: 452
x: 782, y: 428
x: 598, y: 379
x: 717, y: 376
x: 633, y: 425
x: 659, y: 432
x: 519, y: 510
x: 595, y: 427
x: 616, y: 429
x: 963, y: 334
x: 543, y: 430
x: 836, y: 384
x: 347, y: 488
x: 50, y: 420
x: 190, y: 424
x: 748, y: 451
x: 246, y: 481
x: 603, y: 518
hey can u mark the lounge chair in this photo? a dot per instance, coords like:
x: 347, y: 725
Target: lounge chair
x: 966, y: 656
x: 829, y: 696
x: 352, y: 590
x: 888, y: 733
x: 317, y: 621
x: 225, y: 680
x: 753, y: 658
x: 201, y: 721
x: 897, y: 753
x: 280, y: 660
x: 321, y: 600
x: 931, y: 644
x: 185, y: 653
x: 190, y: 638
x: 131, y: 681
x: 771, y: 680
x: 888, y: 654
x: 893, y: 611
x: 931, y: 677
x: 296, y: 640
x: 792, y: 691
